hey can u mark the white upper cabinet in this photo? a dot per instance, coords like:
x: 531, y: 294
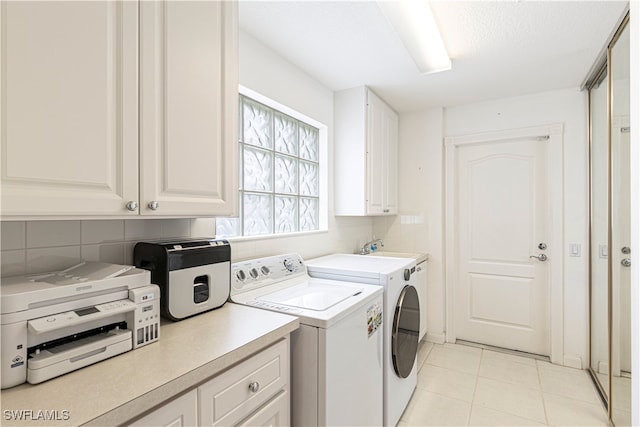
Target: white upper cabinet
x: 366, y: 143
x: 78, y: 139
x: 188, y: 107
x: 69, y: 107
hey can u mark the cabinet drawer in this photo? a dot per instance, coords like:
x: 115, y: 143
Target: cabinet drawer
x: 229, y: 397
x: 180, y: 412
x: 274, y: 413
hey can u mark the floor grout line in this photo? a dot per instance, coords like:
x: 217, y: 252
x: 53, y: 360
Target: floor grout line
x: 544, y: 405
x: 475, y: 388
x: 482, y: 357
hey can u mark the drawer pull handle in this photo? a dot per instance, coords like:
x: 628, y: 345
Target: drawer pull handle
x: 254, y: 387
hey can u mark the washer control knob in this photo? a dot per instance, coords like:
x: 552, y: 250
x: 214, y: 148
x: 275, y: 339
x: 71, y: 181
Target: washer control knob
x: 253, y: 273
x: 289, y: 265
x: 265, y: 270
x: 240, y: 275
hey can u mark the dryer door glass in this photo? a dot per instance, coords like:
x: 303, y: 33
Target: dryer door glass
x: 405, y: 329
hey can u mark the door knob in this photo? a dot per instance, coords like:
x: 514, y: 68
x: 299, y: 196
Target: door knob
x: 541, y: 257
x: 626, y: 262
x: 625, y: 250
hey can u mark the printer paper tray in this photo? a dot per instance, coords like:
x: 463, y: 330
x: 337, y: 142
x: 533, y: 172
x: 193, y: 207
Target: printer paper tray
x: 77, y: 354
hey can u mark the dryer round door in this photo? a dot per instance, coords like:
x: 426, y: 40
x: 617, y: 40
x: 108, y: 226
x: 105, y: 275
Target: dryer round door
x: 404, y: 332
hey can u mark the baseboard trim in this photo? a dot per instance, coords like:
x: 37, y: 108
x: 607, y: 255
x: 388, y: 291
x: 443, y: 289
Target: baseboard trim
x: 504, y: 350
x: 436, y: 338
x: 572, y: 362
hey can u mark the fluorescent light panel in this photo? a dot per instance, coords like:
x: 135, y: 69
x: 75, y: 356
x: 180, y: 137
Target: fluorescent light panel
x: 416, y: 27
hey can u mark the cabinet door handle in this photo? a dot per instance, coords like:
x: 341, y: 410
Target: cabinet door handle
x: 153, y: 205
x: 254, y: 387
x: 132, y: 205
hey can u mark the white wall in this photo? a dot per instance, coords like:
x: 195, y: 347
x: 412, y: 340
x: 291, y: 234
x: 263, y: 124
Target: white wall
x: 265, y: 72
x: 419, y: 226
x: 417, y: 129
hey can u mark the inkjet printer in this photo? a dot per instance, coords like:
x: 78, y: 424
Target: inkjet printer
x: 58, y: 322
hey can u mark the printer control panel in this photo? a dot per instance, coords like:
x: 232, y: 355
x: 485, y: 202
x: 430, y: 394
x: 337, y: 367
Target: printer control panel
x: 76, y: 317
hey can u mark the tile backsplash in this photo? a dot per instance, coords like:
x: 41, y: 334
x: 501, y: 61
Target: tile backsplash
x: 40, y: 246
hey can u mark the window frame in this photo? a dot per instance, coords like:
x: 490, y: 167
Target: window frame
x: 322, y: 163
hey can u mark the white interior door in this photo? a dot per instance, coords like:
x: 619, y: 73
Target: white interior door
x: 501, y: 208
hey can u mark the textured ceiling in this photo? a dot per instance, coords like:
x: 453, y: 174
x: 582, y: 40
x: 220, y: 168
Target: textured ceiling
x: 498, y: 48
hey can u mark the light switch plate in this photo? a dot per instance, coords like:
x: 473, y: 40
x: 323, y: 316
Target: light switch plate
x: 575, y: 249
x: 603, y: 251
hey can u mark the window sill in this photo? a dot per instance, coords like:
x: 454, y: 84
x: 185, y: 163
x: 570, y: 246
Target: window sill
x: 272, y: 236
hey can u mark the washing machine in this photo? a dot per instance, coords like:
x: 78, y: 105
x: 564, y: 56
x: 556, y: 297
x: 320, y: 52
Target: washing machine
x: 336, y: 354
x: 401, y: 318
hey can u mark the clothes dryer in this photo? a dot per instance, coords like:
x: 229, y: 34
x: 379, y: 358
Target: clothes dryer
x: 336, y: 354
x: 401, y: 318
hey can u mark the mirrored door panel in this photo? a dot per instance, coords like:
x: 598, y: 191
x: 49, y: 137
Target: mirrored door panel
x: 620, y: 232
x: 599, y: 184
x: 610, y: 227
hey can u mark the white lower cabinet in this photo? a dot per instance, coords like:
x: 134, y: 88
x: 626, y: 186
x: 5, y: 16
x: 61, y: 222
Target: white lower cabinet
x: 180, y: 412
x: 275, y: 413
x: 254, y: 392
x: 421, y: 286
x: 237, y: 393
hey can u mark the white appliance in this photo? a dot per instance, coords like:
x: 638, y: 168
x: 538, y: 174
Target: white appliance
x: 336, y: 354
x: 401, y: 318
x: 193, y: 274
x: 58, y: 322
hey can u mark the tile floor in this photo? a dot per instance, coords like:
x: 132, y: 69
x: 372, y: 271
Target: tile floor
x: 466, y: 386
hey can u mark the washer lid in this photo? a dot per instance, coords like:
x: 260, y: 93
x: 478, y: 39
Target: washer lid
x: 314, y: 296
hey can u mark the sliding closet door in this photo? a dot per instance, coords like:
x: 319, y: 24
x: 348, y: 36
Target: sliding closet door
x: 620, y: 233
x: 610, y: 240
x: 599, y: 150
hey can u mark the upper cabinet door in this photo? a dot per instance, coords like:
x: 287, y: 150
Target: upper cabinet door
x: 376, y: 146
x: 391, y: 163
x: 189, y: 106
x: 365, y: 150
x: 69, y: 107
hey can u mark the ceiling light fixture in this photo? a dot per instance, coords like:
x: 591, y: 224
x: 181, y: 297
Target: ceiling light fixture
x: 416, y: 27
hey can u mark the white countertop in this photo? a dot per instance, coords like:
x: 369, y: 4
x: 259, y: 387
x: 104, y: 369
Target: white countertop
x: 188, y: 352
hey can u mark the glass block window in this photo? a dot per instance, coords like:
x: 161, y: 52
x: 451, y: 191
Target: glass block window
x: 279, y: 174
